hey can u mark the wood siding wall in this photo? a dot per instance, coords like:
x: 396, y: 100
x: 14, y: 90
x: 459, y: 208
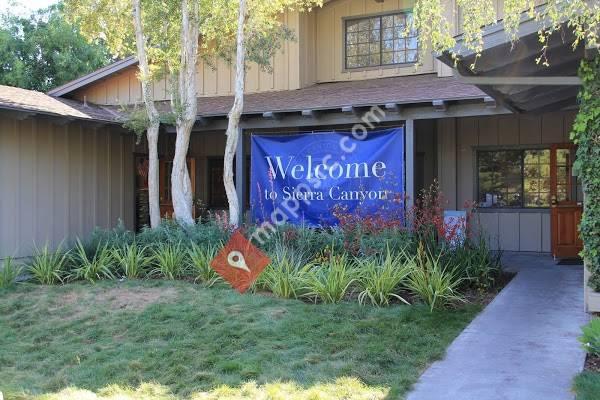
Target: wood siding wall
x: 60, y: 181
x: 458, y: 138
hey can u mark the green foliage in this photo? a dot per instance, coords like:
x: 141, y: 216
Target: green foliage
x: 586, y: 135
x: 435, y: 283
x: 587, y: 386
x: 432, y: 19
x: 200, y: 258
x: 590, y: 339
x: 286, y: 275
x: 92, y: 267
x: 9, y: 273
x: 330, y: 280
x: 382, y: 276
x: 169, y: 260
x: 475, y: 263
x: 44, y: 50
x: 48, y: 267
x: 131, y: 259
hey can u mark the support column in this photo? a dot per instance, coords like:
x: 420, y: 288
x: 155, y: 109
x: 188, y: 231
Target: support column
x: 240, y: 173
x: 409, y: 167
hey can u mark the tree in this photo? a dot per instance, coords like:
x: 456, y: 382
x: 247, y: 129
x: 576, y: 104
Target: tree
x: 164, y: 36
x: 44, y: 50
x: 258, y: 36
x: 432, y: 21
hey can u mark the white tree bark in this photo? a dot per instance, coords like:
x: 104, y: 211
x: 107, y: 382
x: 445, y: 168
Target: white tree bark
x: 153, y: 117
x: 234, y: 119
x: 181, y: 186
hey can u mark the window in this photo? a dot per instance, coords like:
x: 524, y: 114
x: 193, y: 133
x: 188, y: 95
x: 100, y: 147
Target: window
x: 379, y: 40
x: 513, y: 178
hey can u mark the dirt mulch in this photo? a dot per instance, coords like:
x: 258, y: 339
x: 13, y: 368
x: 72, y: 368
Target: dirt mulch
x: 592, y: 363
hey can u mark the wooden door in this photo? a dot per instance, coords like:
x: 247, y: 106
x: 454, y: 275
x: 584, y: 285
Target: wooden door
x: 166, y: 200
x: 566, y: 203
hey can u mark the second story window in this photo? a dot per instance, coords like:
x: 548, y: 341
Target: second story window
x: 379, y: 40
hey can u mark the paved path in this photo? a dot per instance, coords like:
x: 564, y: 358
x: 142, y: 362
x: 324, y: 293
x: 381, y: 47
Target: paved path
x: 523, y: 346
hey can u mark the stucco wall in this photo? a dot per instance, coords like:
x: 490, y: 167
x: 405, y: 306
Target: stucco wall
x: 458, y: 138
x: 59, y: 181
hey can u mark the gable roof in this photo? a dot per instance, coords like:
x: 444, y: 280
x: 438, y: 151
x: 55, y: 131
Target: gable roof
x: 17, y: 99
x: 93, y: 77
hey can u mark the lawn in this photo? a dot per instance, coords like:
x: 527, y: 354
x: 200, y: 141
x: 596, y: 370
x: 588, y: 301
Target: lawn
x: 587, y: 385
x: 176, y: 340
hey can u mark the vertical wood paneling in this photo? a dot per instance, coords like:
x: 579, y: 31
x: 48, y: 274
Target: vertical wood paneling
x: 446, y: 137
x: 60, y: 184
x: 530, y: 130
x: 488, y: 131
x: 103, y: 179
x: 9, y: 179
x: 552, y: 128
x: 508, y: 234
x: 26, y: 206
x: 530, y: 232
x: 546, y: 233
x: 508, y: 129
x: 467, y: 136
x: 490, y: 228
x: 75, y: 179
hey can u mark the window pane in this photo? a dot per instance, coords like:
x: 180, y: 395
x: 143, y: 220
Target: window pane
x: 536, y: 174
x: 500, y: 183
x: 378, y: 40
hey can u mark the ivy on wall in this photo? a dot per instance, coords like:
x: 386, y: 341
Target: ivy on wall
x: 586, y: 134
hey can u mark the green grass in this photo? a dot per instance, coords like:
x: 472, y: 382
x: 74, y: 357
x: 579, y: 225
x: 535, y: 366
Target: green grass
x: 587, y: 386
x: 173, y: 340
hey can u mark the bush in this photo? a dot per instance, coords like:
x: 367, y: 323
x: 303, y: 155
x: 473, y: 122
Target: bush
x: 330, y: 281
x: 132, y: 260
x: 9, y: 273
x: 169, y: 260
x: 92, y: 267
x: 286, y: 275
x: 475, y: 263
x: 47, y: 267
x: 590, y: 339
x: 437, y: 285
x: 200, y: 259
x: 382, y: 276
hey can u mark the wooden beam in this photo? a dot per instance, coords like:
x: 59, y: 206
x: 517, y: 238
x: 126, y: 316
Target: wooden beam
x: 489, y: 102
x: 271, y: 115
x: 348, y: 110
x: 440, y: 105
x: 393, y: 107
x: 310, y: 113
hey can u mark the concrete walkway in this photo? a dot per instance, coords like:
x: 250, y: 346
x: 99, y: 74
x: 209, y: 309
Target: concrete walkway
x: 523, y: 346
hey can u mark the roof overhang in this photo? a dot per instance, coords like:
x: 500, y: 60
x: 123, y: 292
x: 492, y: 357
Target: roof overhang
x: 513, y: 74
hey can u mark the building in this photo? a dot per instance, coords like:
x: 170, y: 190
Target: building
x: 500, y: 138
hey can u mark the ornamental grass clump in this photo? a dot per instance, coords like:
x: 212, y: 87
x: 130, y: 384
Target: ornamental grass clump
x: 381, y: 277
x: 169, y: 261
x: 132, y: 260
x: 48, y: 267
x: 9, y: 273
x: 199, y: 258
x: 95, y: 267
x: 286, y: 275
x: 436, y: 284
x: 329, y: 281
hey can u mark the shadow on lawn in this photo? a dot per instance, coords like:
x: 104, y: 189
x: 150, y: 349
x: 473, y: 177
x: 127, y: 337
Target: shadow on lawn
x: 341, y: 388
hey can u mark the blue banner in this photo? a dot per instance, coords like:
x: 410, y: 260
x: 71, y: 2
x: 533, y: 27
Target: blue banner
x: 308, y: 178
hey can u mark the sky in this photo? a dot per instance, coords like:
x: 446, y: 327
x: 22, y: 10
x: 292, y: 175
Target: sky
x: 24, y: 7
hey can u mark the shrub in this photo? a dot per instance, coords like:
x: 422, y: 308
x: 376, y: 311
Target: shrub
x: 475, y: 263
x: 169, y: 260
x: 131, y: 259
x: 92, y: 267
x: 330, y: 281
x: 381, y: 276
x: 436, y: 284
x: 200, y: 258
x: 285, y: 276
x: 47, y: 267
x: 590, y: 339
x: 9, y: 273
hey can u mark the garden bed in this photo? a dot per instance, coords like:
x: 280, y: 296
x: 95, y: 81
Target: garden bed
x: 187, y: 339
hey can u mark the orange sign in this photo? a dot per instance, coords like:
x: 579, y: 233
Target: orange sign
x: 240, y: 262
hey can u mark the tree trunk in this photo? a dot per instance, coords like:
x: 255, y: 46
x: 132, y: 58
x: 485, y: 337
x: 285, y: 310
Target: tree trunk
x: 153, y: 117
x: 153, y: 176
x: 235, y: 114
x: 181, y: 186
